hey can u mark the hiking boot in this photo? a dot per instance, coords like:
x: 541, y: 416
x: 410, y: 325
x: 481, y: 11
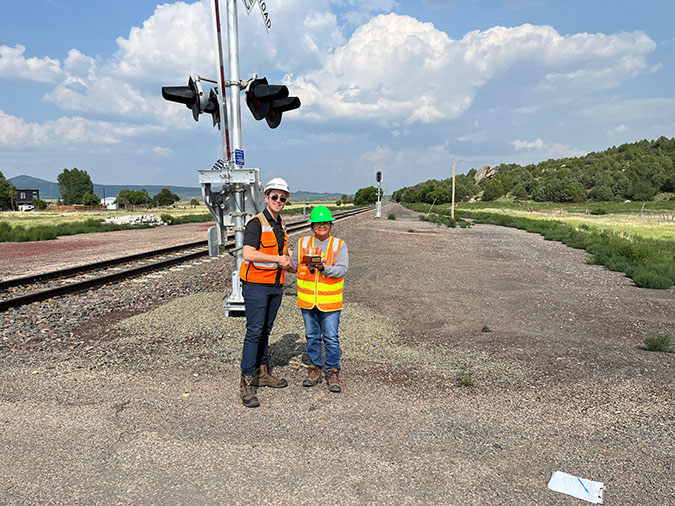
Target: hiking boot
x: 313, y: 376
x: 333, y: 380
x: 247, y: 389
x: 263, y: 378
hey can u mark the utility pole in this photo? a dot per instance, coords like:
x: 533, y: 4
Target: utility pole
x: 452, y: 211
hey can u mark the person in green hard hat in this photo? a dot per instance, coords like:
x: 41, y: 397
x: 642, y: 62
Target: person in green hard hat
x: 320, y: 296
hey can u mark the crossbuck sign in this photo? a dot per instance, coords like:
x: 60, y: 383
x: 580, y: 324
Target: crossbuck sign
x: 248, y: 5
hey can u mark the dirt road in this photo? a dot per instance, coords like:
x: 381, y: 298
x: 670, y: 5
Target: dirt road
x: 140, y: 405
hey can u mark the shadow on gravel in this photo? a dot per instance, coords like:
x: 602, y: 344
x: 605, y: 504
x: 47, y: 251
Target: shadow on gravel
x: 285, y: 349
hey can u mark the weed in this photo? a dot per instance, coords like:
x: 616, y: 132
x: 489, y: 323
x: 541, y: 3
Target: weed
x: 486, y: 329
x: 411, y: 230
x: 439, y: 220
x: 659, y: 342
x: 465, y: 377
x: 391, y: 216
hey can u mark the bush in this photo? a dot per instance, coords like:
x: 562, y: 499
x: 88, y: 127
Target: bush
x: 650, y: 277
x: 91, y: 199
x: 598, y: 211
x: 39, y: 204
x: 391, y: 216
x: 658, y: 342
x: 440, y: 220
x: 465, y: 377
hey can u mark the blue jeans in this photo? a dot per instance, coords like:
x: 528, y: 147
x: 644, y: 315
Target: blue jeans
x: 322, y: 326
x: 261, y: 303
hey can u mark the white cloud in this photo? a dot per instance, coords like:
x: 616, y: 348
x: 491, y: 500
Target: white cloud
x: 76, y: 130
x: 15, y: 66
x: 398, y: 69
x: 161, y: 151
x: 618, y: 130
x: 174, y: 42
x: 547, y: 150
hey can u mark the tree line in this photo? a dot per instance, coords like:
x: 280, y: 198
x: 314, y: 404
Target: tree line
x: 76, y: 187
x: 636, y: 171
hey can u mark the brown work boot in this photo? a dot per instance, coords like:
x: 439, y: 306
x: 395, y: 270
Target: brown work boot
x: 333, y: 380
x: 263, y: 378
x: 313, y: 376
x: 247, y: 389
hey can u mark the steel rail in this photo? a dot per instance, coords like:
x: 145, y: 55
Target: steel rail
x: 108, y: 278
x: 96, y: 265
x: 24, y: 280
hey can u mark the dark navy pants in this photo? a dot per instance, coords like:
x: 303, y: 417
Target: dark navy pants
x: 261, y: 303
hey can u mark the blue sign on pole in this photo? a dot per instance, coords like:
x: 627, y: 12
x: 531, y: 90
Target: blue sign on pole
x: 239, y: 156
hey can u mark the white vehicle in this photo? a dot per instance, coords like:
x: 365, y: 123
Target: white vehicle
x: 26, y: 207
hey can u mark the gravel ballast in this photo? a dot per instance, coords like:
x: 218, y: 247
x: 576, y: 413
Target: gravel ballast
x: 128, y: 394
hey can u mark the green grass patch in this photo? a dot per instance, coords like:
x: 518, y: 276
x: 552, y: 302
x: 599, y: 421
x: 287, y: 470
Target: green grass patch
x: 439, y: 219
x: 659, y: 342
x: 391, y: 216
x: 465, y: 377
x: 19, y: 233
x: 649, y: 262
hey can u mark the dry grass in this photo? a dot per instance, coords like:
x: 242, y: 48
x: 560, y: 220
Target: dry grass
x: 652, y: 225
x: 50, y: 218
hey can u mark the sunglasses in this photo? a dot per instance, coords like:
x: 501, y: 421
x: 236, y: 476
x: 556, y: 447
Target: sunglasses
x: 276, y: 197
x: 322, y: 225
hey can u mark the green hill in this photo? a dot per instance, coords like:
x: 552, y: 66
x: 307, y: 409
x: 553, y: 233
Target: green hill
x: 636, y: 171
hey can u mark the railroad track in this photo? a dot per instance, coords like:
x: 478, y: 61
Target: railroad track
x: 24, y: 290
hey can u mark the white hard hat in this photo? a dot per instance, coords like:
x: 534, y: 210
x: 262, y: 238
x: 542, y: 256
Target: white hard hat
x: 277, y: 184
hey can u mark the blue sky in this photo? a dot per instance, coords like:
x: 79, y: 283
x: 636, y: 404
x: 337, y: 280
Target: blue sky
x: 398, y: 86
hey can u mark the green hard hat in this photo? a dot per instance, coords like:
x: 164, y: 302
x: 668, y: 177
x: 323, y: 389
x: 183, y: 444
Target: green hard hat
x: 320, y: 214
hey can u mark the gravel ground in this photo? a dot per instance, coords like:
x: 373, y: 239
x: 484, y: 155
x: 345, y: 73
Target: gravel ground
x: 128, y: 394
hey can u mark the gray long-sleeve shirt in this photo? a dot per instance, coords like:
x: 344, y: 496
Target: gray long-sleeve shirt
x: 332, y: 271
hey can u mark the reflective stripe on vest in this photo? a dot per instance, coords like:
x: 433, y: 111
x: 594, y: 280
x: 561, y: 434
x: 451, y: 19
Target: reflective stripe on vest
x: 317, y: 289
x: 265, y: 272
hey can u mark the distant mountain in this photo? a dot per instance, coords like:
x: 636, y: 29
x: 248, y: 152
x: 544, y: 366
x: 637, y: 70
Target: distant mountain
x: 50, y: 190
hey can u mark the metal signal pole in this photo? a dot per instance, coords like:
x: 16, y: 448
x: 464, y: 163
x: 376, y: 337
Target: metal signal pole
x: 240, y: 191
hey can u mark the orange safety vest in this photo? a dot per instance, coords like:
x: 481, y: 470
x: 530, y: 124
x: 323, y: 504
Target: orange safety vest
x: 263, y: 272
x: 317, y: 289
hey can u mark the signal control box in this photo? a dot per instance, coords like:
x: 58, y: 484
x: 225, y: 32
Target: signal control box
x: 311, y: 260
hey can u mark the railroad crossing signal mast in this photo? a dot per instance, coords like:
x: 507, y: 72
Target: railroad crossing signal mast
x: 231, y: 192
x: 378, y: 205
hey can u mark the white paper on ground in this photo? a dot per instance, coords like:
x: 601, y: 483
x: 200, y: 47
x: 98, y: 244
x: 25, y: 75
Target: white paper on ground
x: 581, y: 488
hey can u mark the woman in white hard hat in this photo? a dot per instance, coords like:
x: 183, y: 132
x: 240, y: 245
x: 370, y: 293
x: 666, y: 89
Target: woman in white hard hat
x: 266, y: 259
